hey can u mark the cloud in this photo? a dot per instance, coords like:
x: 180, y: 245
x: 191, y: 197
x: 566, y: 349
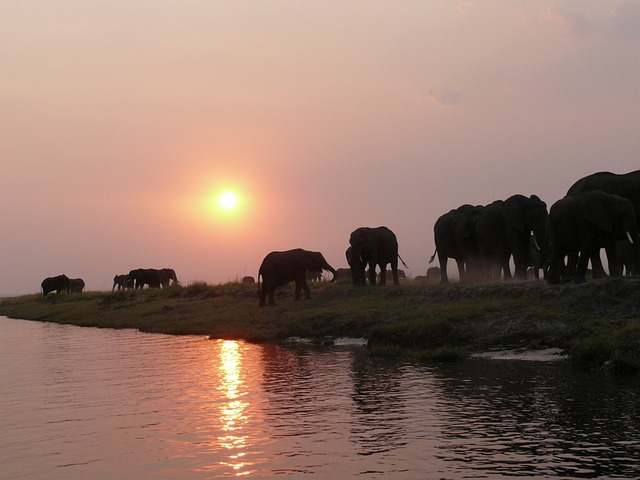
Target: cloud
x: 444, y: 98
x: 625, y: 21
x: 619, y: 22
x: 575, y: 23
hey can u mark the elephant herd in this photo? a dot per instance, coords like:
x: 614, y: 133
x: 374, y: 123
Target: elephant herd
x: 368, y: 247
x: 61, y: 283
x: 601, y: 210
x: 138, y: 278
x: 483, y: 239
x: 152, y: 277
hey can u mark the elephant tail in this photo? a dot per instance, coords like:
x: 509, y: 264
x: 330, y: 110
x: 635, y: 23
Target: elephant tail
x: 405, y: 265
x: 433, y: 256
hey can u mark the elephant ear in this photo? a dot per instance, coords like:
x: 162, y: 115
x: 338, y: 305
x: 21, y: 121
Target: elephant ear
x: 356, y: 238
x: 311, y: 261
x: 594, y: 211
x: 361, y: 240
x: 513, y: 214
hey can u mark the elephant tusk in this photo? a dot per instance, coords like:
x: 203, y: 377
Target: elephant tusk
x: 629, y: 236
x: 535, y: 242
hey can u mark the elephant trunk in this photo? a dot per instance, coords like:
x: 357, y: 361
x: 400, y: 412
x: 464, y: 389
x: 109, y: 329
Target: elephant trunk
x: 333, y: 272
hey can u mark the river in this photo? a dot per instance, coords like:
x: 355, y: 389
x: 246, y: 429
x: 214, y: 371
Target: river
x: 86, y: 403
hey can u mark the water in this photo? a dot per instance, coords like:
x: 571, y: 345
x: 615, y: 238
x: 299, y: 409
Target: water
x: 78, y: 403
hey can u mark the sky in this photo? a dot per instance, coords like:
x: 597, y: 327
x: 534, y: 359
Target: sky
x: 122, y: 122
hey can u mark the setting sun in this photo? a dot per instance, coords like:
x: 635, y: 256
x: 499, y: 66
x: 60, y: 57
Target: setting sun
x: 228, y: 200
x: 225, y: 203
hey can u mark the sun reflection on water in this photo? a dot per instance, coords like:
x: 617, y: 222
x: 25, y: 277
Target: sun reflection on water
x: 232, y: 412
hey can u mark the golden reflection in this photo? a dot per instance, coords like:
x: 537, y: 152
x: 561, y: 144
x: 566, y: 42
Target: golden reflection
x: 232, y: 412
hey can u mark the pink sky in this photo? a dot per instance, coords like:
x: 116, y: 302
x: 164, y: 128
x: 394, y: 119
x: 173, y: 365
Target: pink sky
x: 120, y: 119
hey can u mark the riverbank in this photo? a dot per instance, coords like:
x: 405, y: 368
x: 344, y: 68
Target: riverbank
x: 596, y: 323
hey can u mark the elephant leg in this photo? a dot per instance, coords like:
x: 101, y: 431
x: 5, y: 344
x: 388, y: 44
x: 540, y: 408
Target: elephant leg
x: 635, y: 260
x: 394, y: 271
x: 596, y: 264
x: 555, y: 259
x: 568, y: 270
x: 587, y: 252
x: 520, y: 264
x: 581, y: 268
x: 615, y: 269
x: 462, y: 271
x: 372, y: 275
x: 263, y: 294
x: 383, y: 275
x: 271, y: 290
x: 302, y: 285
x: 443, y: 269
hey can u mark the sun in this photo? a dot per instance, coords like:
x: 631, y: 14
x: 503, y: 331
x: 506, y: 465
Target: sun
x: 228, y: 200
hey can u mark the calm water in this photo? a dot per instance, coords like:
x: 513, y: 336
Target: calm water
x: 78, y: 403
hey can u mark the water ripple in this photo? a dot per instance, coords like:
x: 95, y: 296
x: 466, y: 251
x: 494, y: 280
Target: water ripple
x: 87, y: 403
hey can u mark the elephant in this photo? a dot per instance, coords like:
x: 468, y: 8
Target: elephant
x: 492, y: 249
x: 357, y: 273
x: 536, y: 259
x: 504, y: 229
x: 153, y: 277
x: 248, y: 280
x: 433, y: 274
x: 280, y: 268
x: 624, y: 256
x: 145, y: 276
x: 343, y: 275
x: 123, y: 282
x: 57, y: 284
x: 626, y: 185
x: 580, y: 224
x: 166, y: 275
x: 455, y: 237
x: 76, y: 285
x: 373, y: 247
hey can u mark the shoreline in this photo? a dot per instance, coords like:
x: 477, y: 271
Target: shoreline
x: 596, y: 323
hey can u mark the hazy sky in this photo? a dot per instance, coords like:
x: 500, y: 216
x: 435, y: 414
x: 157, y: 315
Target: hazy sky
x: 122, y: 119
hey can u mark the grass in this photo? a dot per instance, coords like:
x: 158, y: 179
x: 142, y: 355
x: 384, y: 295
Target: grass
x: 426, y: 322
x: 616, y: 350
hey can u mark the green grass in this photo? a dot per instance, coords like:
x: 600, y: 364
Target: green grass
x: 613, y: 350
x: 430, y: 322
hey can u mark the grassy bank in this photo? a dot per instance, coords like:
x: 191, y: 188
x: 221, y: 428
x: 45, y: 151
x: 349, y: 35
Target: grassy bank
x: 597, y: 323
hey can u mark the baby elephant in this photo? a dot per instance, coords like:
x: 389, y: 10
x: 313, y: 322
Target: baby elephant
x: 76, y: 285
x: 280, y: 268
x: 123, y: 281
